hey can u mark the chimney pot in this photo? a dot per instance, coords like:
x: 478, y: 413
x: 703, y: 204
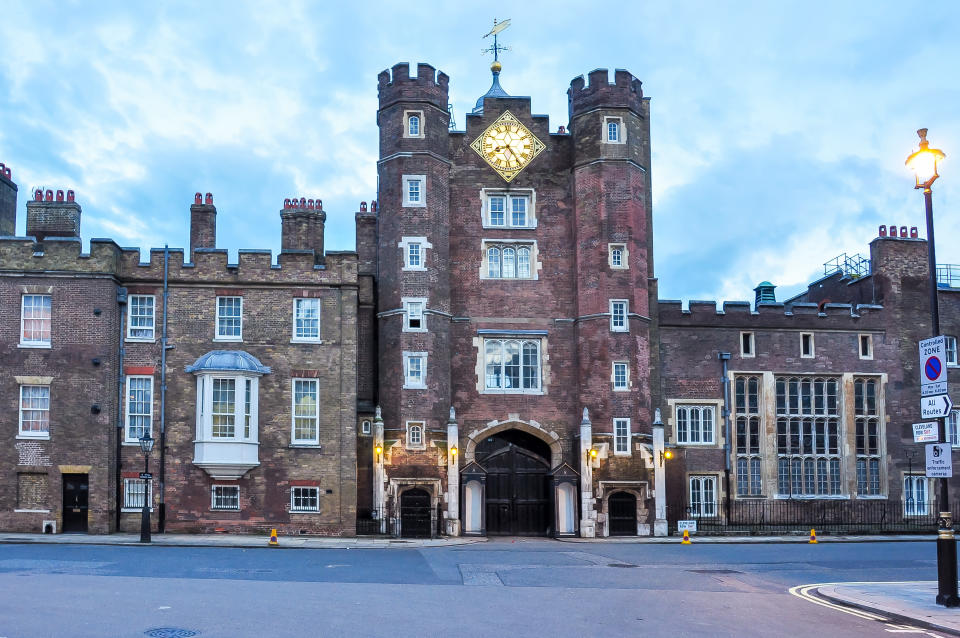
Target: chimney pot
x: 363, y: 207
x: 893, y: 230
x: 71, y: 196
x: 373, y: 205
x: 303, y: 202
x: 198, y: 199
x: 38, y: 195
x: 913, y: 232
x: 319, y: 204
x: 310, y: 204
x: 59, y: 195
x: 883, y: 230
x: 209, y: 200
x: 903, y: 231
x: 49, y: 195
x: 286, y: 203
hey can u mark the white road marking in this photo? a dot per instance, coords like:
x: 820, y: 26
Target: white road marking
x: 803, y: 591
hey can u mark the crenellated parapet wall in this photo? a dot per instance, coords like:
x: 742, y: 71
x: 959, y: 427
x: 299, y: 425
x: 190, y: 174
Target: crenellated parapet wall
x: 625, y: 92
x: 396, y: 85
x: 739, y: 314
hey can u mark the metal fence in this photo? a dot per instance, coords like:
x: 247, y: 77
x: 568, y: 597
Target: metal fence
x: 799, y: 516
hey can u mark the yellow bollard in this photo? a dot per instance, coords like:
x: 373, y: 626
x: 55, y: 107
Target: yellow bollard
x: 813, y: 536
x: 273, y: 538
x: 686, y: 538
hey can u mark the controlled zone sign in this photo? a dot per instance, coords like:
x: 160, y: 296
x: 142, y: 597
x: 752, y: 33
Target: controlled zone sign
x: 933, y: 369
x: 939, y: 461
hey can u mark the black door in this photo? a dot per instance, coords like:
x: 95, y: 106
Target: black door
x: 623, y: 514
x: 517, y: 501
x: 76, y: 488
x: 415, y: 514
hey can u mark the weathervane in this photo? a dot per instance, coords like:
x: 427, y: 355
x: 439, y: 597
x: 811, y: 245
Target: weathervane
x: 496, y: 48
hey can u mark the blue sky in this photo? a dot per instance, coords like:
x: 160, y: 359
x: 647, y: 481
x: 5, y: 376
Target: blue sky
x: 779, y: 129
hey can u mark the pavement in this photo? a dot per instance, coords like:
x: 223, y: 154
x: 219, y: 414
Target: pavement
x: 913, y: 602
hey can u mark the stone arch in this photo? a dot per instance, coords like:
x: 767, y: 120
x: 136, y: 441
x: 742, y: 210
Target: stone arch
x: 530, y: 427
x: 638, y: 489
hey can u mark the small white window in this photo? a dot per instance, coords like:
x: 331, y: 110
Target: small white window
x: 414, y: 370
x: 225, y: 497
x: 229, y: 319
x: 140, y: 318
x: 916, y: 496
x: 613, y: 132
x: 618, y: 315
x: 304, y: 499
x: 415, y: 435
x: 413, y: 315
x: 951, y: 347
x: 414, y: 252
x: 35, y: 321
x: 413, y: 255
x: 746, y: 344
x: 306, y: 319
x: 139, y: 408
x: 621, y: 376
x: 413, y: 124
x: 866, y: 346
x: 306, y: 413
x: 703, y: 496
x: 509, y: 210
x: 133, y: 494
x: 618, y: 256
x: 621, y: 436
x: 806, y: 345
x: 35, y: 411
x: 696, y: 424
x: 951, y: 425
x: 366, y: 427
x: 414, y: 191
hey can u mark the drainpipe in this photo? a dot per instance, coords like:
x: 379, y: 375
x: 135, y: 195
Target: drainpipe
x: 122, y: 301
x: 162, y: 519
x: 724, y: 358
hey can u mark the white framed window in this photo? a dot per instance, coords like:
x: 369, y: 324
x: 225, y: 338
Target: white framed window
x: 140, y: 318
x: 621, y: 436
x: 617, y: 256
x: 414, y: 252
x: 306, y: 319
x: 865, y: 344
x: 747, y: 349
x: 916, y: 495
x: 413, y: 124
x: 512, y: 366
x: 304, y: 499
x: 696, y: 424
x: 227, y: 408
x: 414, y: 317
x: 621, y: 376
x: 225, y: 497
x: 366, y: 427
x: 229, y: 319
x: 414, y: 255
x: 34, y: 411
x: 139, y: 410
x: 306, y: 412
x: 806, y: 345
x: 415, y: 435
x: 808, y: 437
x: 748, y: 438
x: 703, y: 496
x: 951, y: 425
x: 414, y: 370
x: 869, y: 435
x: 508, y: 209
x: 951, y: 350
x: 509, y: 260
x: 613, y: 131
x: 35, y: 321
x: 414, y: 191
x: 618, y: 315
x: 134, y: 490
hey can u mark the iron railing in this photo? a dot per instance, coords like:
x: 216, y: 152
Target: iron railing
x: 855, y: 266
x: 948, y: 275
x: 787, y: 516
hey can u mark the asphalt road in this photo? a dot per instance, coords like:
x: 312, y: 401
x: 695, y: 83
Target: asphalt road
x: 516, y: 587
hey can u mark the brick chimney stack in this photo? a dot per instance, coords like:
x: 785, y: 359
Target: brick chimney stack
x: 302, y: 222
x: 203, y: 223
x: 53, y: 216
x: 8, y: 203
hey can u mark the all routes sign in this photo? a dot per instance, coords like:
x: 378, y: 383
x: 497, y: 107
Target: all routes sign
x: 933, y: 369
x: 935, y: 407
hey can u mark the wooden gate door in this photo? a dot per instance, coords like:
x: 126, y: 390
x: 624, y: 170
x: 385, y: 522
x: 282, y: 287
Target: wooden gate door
x: 622, y: 510
x: 415, y: 514
x: 76, y: 488
x: 517, y: 503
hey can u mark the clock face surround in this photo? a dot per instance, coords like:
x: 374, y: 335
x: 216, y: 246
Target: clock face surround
x: 508, y: 146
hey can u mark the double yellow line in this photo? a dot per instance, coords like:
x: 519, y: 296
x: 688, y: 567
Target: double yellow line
x: 803, y: 591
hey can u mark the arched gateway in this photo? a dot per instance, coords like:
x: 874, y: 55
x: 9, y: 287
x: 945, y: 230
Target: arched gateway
x: 517, y: 492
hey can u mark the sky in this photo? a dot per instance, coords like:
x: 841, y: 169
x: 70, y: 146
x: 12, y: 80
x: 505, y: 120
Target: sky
x: 779, y: 129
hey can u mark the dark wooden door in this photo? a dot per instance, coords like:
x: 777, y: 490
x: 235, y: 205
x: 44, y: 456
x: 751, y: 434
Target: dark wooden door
x: 76, y: 489
x: 623, y: 514
x: 517, y: 503
x: 415, y: 514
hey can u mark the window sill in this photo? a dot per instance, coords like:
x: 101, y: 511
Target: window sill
x: 27, y: 437
x: 619, y: 267
x: 505, y: 227
x: 133, y: 510
x: 32, y: 511
x: 509, y: 279
x: 619, y: 331
x: 812, y: 497
x: 708, y: 445
x: 871, y: 497
x: 314, y: 341
x: 229, y: 339
x: 224, y: 509
x: 414, y: 269
x: 621, y: 389
x: 415, y: 448
x: 305, y: 511
x: 308, y: 446
x: 413, y: 205
x: 414, y: 387
x: 415, y: 330
x: 626, y: 454
x: 529, y: 392
x: 134, y: 443
x: 139, y: 340
x: 39, y: 346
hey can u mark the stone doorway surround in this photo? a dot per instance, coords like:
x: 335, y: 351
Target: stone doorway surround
x: 514, y: 422
x: 639, y: 489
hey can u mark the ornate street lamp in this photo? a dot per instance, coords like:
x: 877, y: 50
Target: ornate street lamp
x: 923, y: 162
x: 146, y: 445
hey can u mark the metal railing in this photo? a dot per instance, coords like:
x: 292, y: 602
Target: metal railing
x: 948, y: 275
x: 799, y: 516
x: 855, y: 266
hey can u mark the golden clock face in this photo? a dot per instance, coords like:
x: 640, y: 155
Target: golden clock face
x: 508, y: 146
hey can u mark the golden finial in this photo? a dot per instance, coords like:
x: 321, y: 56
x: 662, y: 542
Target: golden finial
x: 496, y: 66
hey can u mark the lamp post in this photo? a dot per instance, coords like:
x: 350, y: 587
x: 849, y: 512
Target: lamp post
x: 923, y: 163
x: 146, y: 444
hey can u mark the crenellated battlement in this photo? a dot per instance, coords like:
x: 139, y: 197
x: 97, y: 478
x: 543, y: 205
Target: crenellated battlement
x: 429, y: 85
x: 625, y: 92
x: 739, y: 314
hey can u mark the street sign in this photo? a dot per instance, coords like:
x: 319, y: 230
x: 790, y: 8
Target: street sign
x: 146, y: 475
x: 689, y: 526
x: 935, y: 407
x: 933, y: 369
x: 926, y: 432
x: 939, y: 461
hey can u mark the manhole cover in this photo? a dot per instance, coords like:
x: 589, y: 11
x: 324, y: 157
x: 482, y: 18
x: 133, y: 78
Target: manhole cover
x: 714, y: 571
x: 170, y: 632
x: 620, y: 565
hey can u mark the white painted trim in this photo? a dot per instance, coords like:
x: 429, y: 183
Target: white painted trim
x: 628, y: 451
x: 318, y: 338
x: 423, y: 436
x: 621, y: 130
x: 404, y: 245
x: 422, y: 202
x: 406, y: 315
x: 126, y: 408
x: 753, y: 345
x: 40, y: 343
x: 293, y: 413
x: 406, y: 124
x: 624, y: 256
x: 216, y: 326
x: 487, y: 193
x: 626, y: 313
x: 153, y: 319
x: 407, y: 384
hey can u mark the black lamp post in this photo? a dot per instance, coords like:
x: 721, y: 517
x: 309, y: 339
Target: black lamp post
x: 923, y: 163
x: 146, y: 444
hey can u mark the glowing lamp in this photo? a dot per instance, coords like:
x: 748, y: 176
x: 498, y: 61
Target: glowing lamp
x: 923, y: 162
